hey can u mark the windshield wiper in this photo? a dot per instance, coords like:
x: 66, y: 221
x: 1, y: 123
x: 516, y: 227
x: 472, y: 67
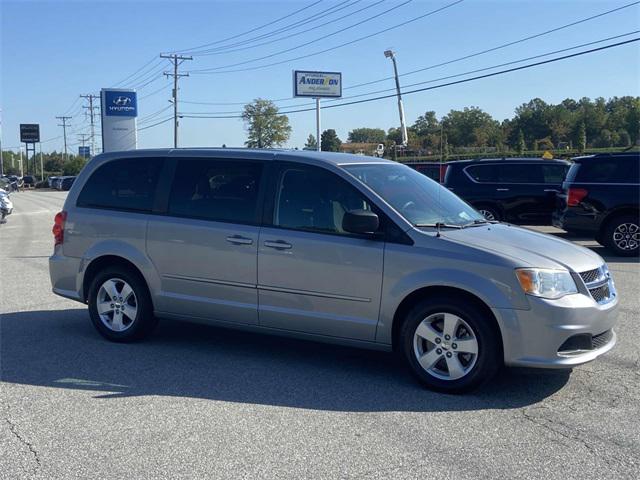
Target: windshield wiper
x: 437, y: 225
x: 478, y: 222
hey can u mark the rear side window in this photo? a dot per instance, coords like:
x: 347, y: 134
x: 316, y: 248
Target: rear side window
x: 126, y: 184
x: 610, y: 170
x: 519, y: 173
x: 217, y: 190
x: 554, y: 173
x: 482, y: 173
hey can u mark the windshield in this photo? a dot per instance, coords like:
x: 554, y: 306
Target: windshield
x: 416, y: 197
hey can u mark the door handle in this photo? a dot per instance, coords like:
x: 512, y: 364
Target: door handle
x: 278, y: 244
x: 502, y: 189
x: 239, y: 240
x: 551, y: 190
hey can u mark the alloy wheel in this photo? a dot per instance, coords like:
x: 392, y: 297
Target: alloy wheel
x: 117, y: 305
x: 445, y: 346
x: 626, y: 236
x: 488, y: 214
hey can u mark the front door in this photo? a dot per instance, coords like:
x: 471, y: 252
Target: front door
x: 313, y: 276
x: 205, y: 247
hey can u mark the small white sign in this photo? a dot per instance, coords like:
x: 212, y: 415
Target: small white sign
x: 317, y: 84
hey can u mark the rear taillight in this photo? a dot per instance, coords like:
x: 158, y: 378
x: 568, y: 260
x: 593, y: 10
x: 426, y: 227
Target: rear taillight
x: 58, y: 227
x: 443, y: 171
x: 575, y: 196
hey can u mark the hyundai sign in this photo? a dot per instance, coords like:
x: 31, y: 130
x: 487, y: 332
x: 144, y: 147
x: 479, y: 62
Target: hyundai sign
x: 119, y: 111
x: 317, y: 84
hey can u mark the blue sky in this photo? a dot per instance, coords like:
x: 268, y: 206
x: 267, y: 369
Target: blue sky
x: 53, y: 51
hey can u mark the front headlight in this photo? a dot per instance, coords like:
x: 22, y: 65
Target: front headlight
x: 546, y: 283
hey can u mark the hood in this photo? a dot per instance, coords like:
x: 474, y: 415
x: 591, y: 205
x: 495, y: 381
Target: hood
x: 531, y: 249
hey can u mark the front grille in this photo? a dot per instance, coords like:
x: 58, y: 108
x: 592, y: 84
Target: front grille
x: 599, y: 341
x: 599, y: 283
x: 591, y: 275
x: 600, y: 294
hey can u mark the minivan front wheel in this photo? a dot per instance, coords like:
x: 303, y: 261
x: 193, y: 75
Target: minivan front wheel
x: 119, y: 305
x: 450, y: 345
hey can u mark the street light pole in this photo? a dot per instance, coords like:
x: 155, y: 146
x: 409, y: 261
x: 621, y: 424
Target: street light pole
x: 403, y: 127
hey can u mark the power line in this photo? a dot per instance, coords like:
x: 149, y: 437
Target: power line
x: 250, y: 43
x: 153, y: 60
x: 221, y: 69
x: 465, y: 57
x: 186, y: 50
x: 499, y: 47
x: 292, y: 26
x: 440, y: 78
x: 424, y: 89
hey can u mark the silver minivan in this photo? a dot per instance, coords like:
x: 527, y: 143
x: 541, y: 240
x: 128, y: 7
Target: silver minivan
x: 330, y: 247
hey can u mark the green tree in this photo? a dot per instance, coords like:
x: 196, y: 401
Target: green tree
x: 329, y: 141
x: 366, y: 135
x: 265, y: 127
x: 522, y: 145
x: 471, y: 127
x: 582, y: 137
x: 311, y: 143
x: 73, y: 165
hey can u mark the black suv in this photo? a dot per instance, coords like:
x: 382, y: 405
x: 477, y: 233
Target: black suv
x: 518, y: 190
x: 600, y: 198
x: 433, y: 170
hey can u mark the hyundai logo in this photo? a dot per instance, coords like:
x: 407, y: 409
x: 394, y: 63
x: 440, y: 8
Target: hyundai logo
x: 122, y: 101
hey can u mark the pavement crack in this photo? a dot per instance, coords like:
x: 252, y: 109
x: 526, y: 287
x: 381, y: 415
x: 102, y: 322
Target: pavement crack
x: 546, y: 424
x: 14, y: 430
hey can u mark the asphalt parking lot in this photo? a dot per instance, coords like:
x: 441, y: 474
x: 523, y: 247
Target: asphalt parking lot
x: 196, y: 401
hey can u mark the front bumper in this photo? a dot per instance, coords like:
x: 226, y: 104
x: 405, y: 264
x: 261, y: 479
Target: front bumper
x: 534, y: 337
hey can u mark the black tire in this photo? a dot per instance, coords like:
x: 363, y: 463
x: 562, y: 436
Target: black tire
x: 489, y: 358
x: 621, y: 235
x: 490, y: 212
x: 144, y: 321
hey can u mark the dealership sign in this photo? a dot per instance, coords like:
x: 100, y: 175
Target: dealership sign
x: 29, y: 132
x: 119, y: 109
x: 317, y: 84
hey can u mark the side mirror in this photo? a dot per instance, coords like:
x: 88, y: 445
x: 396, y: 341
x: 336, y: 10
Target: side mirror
x: 360, y: 221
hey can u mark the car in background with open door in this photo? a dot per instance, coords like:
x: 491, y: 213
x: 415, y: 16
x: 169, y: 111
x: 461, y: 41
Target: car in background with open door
x: 516, y: 190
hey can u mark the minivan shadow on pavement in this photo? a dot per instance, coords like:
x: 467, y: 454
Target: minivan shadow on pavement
x: 61, y: 349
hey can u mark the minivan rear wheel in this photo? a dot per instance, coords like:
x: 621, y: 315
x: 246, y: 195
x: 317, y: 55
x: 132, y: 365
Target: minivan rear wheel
x: 120, y: 306
x: 449, y: 345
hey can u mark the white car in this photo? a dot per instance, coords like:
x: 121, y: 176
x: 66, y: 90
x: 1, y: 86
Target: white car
x: 6, y: 206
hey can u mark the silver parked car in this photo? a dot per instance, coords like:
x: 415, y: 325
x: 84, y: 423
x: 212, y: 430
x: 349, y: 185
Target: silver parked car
x: 332, y: 247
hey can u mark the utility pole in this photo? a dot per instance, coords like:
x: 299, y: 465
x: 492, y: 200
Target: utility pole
x: 403, y: 128
x: 91, y: 109
x: 176, y: 60
x: 64, y: 131
x: 41, y: 164
x: 83, y: 138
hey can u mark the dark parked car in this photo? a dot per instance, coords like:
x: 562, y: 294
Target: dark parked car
x: 65, y: 183
x: 433, y: 170
x: 518, y: 190
x: 29, y: 181
x: 600, y: 198
x: 51, y: 180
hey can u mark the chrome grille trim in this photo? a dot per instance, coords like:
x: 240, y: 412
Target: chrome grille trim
x: 599, y: 284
